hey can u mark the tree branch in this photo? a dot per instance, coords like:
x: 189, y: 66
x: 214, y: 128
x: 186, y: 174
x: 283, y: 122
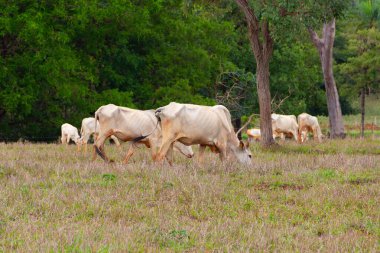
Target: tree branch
x: 248, y: 12
x: 315, y: 38
x: 253, y: 28
x: 279, y: 104
x: 329, y: 34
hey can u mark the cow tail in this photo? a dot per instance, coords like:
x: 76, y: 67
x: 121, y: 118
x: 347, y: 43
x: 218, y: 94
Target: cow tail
x: 137, y: 139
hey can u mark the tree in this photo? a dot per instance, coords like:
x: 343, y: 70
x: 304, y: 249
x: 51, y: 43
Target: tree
x: 325, y: 48
x: 262, y: 50
x: 267, y: 21
x: 361, y: 69
x: 235, y: 90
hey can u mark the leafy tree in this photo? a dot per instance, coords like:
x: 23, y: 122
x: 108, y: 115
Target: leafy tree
x: 269, y: 21
x: 362, y: 67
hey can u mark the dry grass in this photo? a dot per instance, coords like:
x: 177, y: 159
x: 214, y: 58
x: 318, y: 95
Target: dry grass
x: 296, y: 198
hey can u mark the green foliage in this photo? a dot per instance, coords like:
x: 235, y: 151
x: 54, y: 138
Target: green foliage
x: 296, y: 77
x: 61, y: 60
x: 359, y: 45
x: 362, y: 69
x: 60, y: 63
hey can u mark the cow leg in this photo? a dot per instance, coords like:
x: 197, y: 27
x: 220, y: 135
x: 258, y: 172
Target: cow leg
x: 222, y: 150
x: 153, y: 148
x: 130, y: 152
x: 295, y: 134
x: 169, y: 155
x: 114, y: 138
x: 96, y: 135
x: 303, y: 133
x: 300, y: 139
x: 166, y: 143
x: 99, y: 145
x: 84, y: 142
x: 315, y: 134
x: 222, y: 154
x: 202, y: 149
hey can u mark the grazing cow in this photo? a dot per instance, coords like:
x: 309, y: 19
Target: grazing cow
x: 69, y: 132
x: 205, y: 125
x: 283, y: 125
x: 129, y: 125
x: 87, y: 129
x: 308, y: 123
x: 253, y: 134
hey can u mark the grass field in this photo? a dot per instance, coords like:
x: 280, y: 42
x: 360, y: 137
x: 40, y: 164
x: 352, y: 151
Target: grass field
x: 313, y: 197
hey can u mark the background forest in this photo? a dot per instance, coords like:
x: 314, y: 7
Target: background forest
x: 61, y: 60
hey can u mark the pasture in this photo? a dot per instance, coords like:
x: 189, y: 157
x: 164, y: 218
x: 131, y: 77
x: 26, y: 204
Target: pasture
x: 312, y: 197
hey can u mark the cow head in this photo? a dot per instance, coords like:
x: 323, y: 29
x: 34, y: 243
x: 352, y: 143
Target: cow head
x: 78, y: 140
x: 243, y: 154
x: 185, y: 150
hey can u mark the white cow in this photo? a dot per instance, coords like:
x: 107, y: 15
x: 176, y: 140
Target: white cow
x: 308, y: 123
x: 69, y: 132
x: 254, y: 134
x: 130, y: 125
x: 205, y: 125
x: 283, y: 125
x: 87, y: 129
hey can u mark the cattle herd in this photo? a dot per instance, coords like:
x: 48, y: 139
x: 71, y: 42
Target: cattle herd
x: 177, y: 127
x: 286, y: 125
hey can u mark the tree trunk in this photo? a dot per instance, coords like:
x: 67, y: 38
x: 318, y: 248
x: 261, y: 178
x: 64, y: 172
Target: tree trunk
x: 325, y: 49
x: 362, y: 106
x: 262, y: 74
x: 263, y: 52
x: 237, y: 126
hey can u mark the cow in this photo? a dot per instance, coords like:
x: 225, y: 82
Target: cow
x: 308, y: 123
x: 87, y: 129
x: 130, y: 125
x: 283, y: 125
x: 254, y: 134
x: 69, y: 132
x: 205, y: 125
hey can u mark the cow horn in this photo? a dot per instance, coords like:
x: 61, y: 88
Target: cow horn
x: 246, y: 124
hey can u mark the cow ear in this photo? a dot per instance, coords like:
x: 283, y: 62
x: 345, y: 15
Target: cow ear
x: 241, y: 145
x: 247, y: 144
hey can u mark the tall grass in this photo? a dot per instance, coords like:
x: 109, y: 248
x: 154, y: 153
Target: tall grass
x: 294, y: 198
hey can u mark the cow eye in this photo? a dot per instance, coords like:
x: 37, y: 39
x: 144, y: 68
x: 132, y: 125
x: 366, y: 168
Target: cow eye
x: 250, y: 156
